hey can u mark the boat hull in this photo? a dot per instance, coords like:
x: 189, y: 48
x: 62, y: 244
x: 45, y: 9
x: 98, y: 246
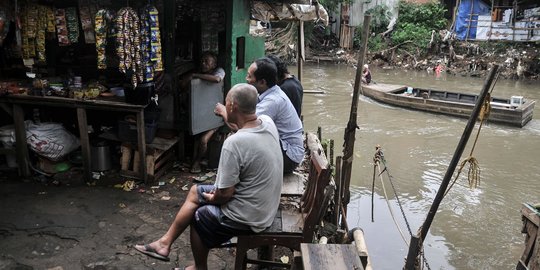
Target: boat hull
x: 449, y: 103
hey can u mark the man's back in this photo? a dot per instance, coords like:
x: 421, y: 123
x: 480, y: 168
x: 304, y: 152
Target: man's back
x: 251, y: 161
x: 294, y: 90
x: 274, y: 103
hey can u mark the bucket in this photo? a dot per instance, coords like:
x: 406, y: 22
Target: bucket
x: 100, y: 156
x: 7, y: 141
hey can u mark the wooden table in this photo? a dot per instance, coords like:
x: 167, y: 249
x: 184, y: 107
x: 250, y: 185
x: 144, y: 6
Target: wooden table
x: 330, y: 256
x: 17, y: 101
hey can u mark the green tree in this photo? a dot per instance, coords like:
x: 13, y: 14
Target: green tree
x: 415, y: 23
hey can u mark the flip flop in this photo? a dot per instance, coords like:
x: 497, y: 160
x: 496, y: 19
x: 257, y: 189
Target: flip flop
x: 150, y: 251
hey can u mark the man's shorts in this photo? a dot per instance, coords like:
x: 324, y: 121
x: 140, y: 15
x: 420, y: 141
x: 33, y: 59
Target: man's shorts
x: 213, y: 227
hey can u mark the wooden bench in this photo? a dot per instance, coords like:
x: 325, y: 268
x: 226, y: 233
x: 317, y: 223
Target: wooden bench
x: 291, y: 227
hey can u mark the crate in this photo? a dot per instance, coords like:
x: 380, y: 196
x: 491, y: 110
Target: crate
x: 160, y: 157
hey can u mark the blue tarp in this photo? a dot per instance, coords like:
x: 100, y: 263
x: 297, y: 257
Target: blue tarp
x: 463, y: 18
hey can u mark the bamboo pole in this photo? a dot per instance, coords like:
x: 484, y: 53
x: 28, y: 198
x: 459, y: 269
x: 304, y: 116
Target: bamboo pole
x: 417, y: 241
x: 350, y: 130
x: 301, y: 54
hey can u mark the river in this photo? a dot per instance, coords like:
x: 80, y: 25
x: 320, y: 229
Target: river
x: 473, y: 228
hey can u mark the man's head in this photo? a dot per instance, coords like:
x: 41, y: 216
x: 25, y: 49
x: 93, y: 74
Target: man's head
x: 241, y: 101
x: 262, y: 74
x: 281, y: 67
x: 208, y: 62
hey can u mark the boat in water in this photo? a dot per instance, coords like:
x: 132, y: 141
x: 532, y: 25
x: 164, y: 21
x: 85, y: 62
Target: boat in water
x: 515, y: 111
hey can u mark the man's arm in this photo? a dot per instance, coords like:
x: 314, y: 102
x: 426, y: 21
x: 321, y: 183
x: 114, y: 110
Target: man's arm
x: 207, y: 77
x: 220, y: 110
x: 219, y: 196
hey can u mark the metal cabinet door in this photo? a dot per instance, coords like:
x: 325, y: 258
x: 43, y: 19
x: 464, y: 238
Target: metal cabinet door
x: 203, y: 98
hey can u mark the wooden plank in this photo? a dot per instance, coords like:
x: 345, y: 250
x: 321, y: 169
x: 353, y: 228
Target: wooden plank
x: 85, y: 144
x: 292, y: 221
x: 531, y: 214
x: 293, y: 185
x: 330, y: 256
x: 141, y: 144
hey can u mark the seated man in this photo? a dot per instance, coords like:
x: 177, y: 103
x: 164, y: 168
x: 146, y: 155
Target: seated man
x: 212, y: 73
x: 245, y: 197
x: 289, y: 84
x: 273, y: 102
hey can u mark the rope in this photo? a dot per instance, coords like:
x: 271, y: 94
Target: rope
x: 473, y: 174
x: 377, y: 159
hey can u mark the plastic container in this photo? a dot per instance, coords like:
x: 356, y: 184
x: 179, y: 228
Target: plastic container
x: 141, y: 95
x: 100, y: 156
x: 7, y: 141
x: 127, y: 131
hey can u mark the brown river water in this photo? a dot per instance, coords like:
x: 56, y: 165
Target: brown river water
x: 473, y: 228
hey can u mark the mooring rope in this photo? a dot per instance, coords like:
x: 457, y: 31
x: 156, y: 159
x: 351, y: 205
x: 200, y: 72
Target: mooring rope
x: 473, y: 174
x: 378, y: 159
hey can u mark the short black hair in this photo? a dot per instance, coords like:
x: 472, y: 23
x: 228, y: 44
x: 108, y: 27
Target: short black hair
x: 281, y: 66
x: 266, y: 70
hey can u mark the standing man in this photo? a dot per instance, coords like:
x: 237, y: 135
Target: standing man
x: 245, y: 197
x: 289, y: 84
x: 273, y: 102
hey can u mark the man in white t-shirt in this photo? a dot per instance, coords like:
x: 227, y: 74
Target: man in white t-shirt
x: 245, y: 197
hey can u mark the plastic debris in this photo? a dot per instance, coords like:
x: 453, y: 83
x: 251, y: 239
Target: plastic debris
x: 161, y: 183
x: 165, y: 198
x: 172, y: 180
x: 200, y: 179
x: 185, y: 187
x: 210, y: 174
x: 284, y: 259
x: 128, y: 185
x: 122, y: 205
x: 96, y: 175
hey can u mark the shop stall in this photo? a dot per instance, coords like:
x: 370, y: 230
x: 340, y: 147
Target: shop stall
x: 112, y: 70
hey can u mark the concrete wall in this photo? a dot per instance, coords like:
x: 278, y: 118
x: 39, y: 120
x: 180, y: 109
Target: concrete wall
x: 238, y: 13
x: 359, y: 7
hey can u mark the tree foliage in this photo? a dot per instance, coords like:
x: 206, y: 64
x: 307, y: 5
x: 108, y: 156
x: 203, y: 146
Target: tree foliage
x: 416, y: 21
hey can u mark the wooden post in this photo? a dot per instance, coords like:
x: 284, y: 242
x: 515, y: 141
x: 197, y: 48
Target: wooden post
x: 301, y: 55
x: 85, y: 144
x: 414, y: 249
x: 350, y: 130
x: 20, y: 141
x: 339, y: 191
x: 141, y: 145
x: 332, y: 153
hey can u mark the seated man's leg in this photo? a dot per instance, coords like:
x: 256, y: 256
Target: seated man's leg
x: 210, y: 228
x: 288, y: 164
x: 183, y: 218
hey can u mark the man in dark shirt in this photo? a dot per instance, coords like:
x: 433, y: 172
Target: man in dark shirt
x: 289, y: 84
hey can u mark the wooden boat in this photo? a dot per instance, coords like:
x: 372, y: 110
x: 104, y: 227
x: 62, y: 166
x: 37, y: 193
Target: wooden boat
x: 514, y: 111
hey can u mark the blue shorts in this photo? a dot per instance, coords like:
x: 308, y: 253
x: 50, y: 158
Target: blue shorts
x: 213, y: 227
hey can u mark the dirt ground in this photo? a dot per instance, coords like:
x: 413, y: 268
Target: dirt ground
x: 67, y: 224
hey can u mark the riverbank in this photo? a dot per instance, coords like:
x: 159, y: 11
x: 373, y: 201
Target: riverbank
x: 517, y: 61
